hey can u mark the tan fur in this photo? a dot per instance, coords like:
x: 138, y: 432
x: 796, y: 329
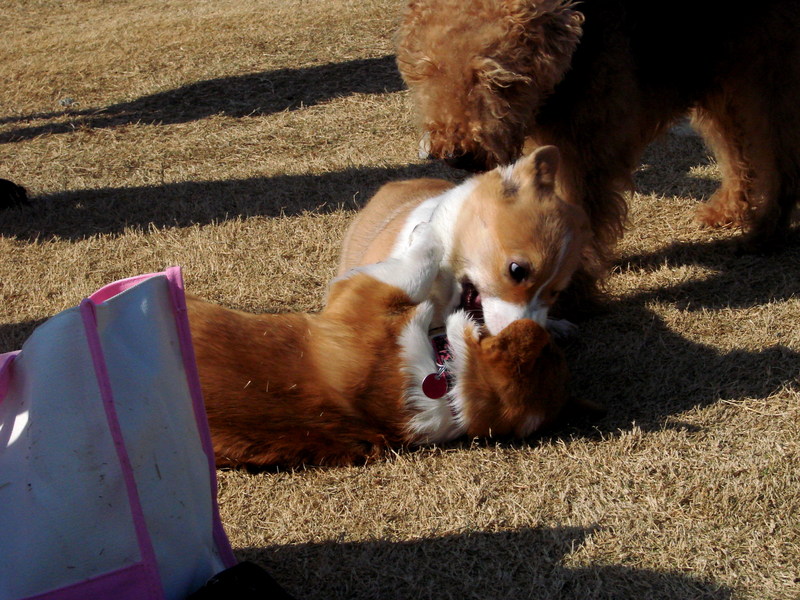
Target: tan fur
x: 514, y: 214
x: 294, y: 389
x: 601, y: 79
x: 371, y: 236
x: 529, y: 224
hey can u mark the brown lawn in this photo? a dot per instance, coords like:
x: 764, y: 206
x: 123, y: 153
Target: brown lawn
x: 237, y: 138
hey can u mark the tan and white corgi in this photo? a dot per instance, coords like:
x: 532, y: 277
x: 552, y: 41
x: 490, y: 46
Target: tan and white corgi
x: 361, y: 376
x: 511, y: 243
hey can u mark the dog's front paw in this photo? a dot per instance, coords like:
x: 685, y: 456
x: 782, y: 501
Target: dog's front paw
x: 424, y: 244
x: 414, y: 270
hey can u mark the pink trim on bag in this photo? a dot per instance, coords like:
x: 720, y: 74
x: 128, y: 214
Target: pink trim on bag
x: 178, y: 295
x: 122, y: 584
x: 5, y: 371
x: 149, y: 561
x: 117, y: 287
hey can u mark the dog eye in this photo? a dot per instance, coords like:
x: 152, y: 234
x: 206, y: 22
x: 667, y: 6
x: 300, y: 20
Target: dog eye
x: 518, y: 272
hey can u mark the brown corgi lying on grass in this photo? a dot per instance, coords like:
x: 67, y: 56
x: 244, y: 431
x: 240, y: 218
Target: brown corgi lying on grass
x: 362, y: 376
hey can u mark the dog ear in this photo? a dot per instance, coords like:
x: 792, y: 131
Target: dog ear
x: 546, y: 161
x: 540, y: 168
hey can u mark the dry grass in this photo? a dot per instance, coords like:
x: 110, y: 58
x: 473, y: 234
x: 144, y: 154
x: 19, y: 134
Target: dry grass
x: 236, y: 138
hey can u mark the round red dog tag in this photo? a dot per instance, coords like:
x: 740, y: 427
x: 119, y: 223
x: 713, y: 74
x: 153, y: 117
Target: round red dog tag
x: 434, y: 385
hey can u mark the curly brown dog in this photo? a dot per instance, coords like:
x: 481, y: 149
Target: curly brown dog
x: 601, y: 79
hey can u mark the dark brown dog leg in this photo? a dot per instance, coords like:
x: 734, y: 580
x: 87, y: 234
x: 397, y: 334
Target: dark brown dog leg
x: 751, y: 125
x: 770, y: 224
x: 600, y: 188
x: 771, y: 220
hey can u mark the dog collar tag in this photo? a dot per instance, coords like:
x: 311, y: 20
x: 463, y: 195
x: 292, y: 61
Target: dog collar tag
x: 434, y: 385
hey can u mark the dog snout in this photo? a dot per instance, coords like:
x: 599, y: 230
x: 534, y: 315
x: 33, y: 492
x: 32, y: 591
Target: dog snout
x: 465, y: 160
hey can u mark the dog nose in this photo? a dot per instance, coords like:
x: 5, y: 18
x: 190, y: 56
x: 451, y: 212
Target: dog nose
x: 458, y: 159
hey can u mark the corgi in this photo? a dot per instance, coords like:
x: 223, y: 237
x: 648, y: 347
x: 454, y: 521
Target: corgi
x: 344, y: 385
x: 511, y: 242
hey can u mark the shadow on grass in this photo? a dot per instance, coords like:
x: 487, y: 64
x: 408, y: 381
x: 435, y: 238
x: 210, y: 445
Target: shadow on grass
x: 633, y: 362
x: 237, y: 96
x: 519, y: 564
x: 667, y: 166
x: 78, y: 214
x: 12, y: 335
x: 739, y: 279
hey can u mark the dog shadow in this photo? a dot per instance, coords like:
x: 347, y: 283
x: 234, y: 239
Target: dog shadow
x: 253, y: 94
x: 526, y: 563
x: 677, y: 156
x: 630, y: 360
x: 78, y: 214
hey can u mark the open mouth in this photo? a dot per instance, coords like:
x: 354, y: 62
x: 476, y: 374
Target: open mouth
x: 471, y: 300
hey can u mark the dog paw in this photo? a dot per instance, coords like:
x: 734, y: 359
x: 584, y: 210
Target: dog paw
x: 424, y: 245
x: 413, y: 271
x: 723, y: 210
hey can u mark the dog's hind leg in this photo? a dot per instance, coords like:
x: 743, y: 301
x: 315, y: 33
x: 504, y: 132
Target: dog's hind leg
x: 777, y: 80
x: 755, y: 141
x: 752, y: 124
x: 778, y: 177
x: 729, y: 205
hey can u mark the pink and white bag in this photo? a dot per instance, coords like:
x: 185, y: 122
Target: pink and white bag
x: 107, y: 478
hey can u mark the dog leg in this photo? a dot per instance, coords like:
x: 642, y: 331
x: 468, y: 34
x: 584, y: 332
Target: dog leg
x: 415, y: 271
x: 751, y: 125
x: 603, y: 200
x: 779, y: 180
x: 729, y: 206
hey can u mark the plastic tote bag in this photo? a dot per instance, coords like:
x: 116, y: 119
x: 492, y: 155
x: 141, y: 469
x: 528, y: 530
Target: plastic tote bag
x: 107, y: 479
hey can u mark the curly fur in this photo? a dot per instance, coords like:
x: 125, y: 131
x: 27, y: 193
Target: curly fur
x: 502, y: 84
x: 600, y: 79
